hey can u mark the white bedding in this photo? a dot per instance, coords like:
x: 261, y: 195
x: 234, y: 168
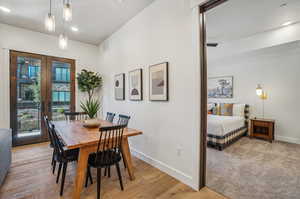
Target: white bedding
x: 221, y: 125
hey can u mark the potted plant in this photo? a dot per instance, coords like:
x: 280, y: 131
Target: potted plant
x: 89, y: 82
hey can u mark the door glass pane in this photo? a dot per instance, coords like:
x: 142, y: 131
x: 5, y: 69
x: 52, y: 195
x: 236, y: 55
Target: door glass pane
x: 61, y: 86
x: 28, y: 96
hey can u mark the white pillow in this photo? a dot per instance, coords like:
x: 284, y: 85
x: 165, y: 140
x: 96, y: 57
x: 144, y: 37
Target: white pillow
x: 238, y: 110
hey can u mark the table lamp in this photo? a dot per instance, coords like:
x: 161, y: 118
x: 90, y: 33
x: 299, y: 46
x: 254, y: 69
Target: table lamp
x: 263, y: 96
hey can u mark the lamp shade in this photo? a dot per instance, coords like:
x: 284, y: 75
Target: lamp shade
x: 264, y: 95
x: 63, y: 41
x: 50, y: 22
x: 67, y: 12
x: 259, y: 90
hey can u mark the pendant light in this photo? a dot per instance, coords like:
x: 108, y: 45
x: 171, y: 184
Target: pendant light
x: 67, y: 11
x: 50, y: 20
x: 63, y: 41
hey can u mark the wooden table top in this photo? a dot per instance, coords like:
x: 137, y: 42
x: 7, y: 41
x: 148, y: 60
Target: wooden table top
x: 75, y: 135
x: 262, y: 120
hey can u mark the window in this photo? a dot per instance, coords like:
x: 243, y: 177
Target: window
x: 33, y: 71
x: 61, y: 96
x: 61, y: 74
x: 28, y: 68
x: 25, y: 92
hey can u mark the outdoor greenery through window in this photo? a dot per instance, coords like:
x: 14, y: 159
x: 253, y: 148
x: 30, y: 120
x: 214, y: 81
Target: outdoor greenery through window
x: 28, y: 95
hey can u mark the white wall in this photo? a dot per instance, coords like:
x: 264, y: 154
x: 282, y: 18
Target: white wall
x: 28, y: 41
x: 277, y: 69
x: 254, y: 42
x: 195, y: 3
x: 164, y: 31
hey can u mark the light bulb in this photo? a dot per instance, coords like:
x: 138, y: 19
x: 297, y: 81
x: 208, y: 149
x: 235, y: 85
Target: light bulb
x: 67, y: 12
x: 50, y: 22
x: 63, y: 41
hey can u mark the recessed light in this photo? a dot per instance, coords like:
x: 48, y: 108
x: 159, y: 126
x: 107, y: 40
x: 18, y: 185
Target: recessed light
x: 4, y: 9
x: 287, y: 23
x: 74, y: 29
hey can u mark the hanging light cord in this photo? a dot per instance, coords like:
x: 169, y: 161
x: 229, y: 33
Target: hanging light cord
x: 64, y: 29
x: 50, y: 7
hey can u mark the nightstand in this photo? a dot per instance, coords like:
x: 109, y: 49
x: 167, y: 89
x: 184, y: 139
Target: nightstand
x: 262, y: 128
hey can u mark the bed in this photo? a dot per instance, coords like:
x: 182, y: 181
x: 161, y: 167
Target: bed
x: 222, y: 131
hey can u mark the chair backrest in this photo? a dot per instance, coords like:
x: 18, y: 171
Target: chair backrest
x: 48, y: 129
x: 110, y: 117
x: 58, y: 145
x: 75, y: 115
x: 110, y: 140
x: 123, y: 120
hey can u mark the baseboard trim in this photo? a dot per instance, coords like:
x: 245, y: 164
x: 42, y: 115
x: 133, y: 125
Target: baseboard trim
x: 288, y: 139
x: 179, y: 175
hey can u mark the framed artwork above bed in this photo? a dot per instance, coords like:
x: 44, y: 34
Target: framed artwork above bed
x: 220, y: 87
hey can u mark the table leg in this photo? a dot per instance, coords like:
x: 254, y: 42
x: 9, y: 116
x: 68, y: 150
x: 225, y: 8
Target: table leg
x: 81, y: 171
x: 127, y: 158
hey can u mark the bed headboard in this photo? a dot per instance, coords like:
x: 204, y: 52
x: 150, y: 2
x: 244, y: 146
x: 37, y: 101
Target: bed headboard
x: 247, y: 114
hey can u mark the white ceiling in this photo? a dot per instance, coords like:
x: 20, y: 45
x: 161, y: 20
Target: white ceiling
x: 96, y: 19
x: 237, y: 19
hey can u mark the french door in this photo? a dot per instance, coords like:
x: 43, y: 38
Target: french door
x: 39, y: 85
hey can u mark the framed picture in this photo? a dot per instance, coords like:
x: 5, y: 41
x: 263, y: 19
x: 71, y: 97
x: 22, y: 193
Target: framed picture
x: 220, y: 87
x: 159, y: 82
x: 119, y: 85
x: 136, y: 85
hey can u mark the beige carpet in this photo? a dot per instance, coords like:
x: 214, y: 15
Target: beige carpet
x: 253, y: 168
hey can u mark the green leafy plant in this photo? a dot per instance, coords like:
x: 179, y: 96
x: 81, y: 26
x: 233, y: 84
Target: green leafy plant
x: 61, y: 110
x: 91, y: 107
x: 36, y: 89
x: 89, y: 82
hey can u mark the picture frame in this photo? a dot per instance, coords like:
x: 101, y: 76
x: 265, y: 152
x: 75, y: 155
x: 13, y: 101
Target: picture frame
x: 119, y: 86
x: 159, y: 82
x: 135, y: 80
x: 220, y: 87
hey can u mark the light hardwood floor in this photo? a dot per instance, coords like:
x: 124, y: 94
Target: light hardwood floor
x: 30, y: 178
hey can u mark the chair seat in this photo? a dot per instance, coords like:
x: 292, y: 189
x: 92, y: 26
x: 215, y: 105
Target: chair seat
x: 70, y: 155
x: 112, y: 158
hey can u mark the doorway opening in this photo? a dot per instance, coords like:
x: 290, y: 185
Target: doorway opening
x: 203, y: 85
x: 249, y: 59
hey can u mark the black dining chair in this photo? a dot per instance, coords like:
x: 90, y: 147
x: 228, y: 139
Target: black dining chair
x: 110, y: 117
x: 63, y: 156
x: 108, y: 153
x: 48, y: 129
x: 123, y: 119
x: 75, y: 115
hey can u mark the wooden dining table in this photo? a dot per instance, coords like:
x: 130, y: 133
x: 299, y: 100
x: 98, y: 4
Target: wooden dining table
x: 76, y: 136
